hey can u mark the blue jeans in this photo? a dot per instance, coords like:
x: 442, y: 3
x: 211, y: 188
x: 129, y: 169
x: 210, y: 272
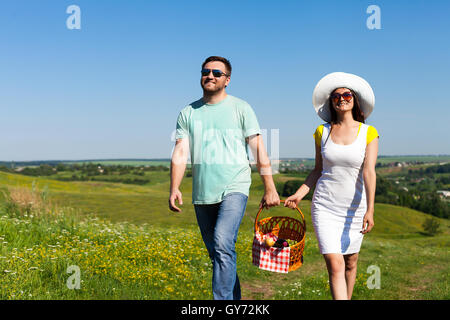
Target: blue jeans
x: 219, y: 224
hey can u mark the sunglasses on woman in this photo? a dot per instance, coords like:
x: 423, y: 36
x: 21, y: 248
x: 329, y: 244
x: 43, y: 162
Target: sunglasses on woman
x: 216, y: 73
x: 337, y: 96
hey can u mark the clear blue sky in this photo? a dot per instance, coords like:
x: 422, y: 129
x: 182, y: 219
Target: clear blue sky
x: 114, y: 88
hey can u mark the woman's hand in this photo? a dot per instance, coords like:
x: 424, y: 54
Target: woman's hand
x: 292, y: 201
x: 368, y: 222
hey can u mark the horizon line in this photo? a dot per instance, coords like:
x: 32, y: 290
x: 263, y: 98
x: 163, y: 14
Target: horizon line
x: 169, y: 159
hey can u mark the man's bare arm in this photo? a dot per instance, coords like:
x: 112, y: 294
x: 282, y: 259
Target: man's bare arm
x: 177, y: 169
x: 259, y: 152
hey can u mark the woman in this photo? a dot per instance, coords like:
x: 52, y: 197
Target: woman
x: 342, y: 207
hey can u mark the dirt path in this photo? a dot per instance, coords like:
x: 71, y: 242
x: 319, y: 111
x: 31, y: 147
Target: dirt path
x: 266, y: 289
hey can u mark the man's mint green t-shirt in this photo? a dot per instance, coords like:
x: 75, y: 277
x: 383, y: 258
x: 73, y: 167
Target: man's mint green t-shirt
x: 218, y: 149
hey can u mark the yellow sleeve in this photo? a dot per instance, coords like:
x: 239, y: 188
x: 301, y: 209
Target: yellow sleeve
x: 372, y: 133
x: 318, y: 135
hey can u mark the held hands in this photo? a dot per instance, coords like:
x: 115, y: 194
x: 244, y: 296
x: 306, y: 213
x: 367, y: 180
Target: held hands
x: 175, y: 196
x: 368, y: 222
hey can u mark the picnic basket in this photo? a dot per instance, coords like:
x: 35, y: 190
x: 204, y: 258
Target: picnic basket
x: 290, y: 229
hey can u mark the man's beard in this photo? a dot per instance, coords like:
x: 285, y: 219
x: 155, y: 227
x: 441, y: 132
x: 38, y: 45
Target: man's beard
x: 211, y: 91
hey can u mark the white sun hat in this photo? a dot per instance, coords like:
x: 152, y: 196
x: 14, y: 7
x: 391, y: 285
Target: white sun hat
x: 332, y: 81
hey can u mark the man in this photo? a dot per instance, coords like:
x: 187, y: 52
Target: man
x: 216, y: 130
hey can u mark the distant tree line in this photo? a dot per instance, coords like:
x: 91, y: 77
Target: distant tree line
x: 430, y: 172
x: 90, y: 172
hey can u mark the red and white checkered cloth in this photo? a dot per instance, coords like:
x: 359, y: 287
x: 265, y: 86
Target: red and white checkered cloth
x: 271, y: 259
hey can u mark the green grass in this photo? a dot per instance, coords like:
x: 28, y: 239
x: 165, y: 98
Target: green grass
x: 116, y: 261
x: 128, y: 245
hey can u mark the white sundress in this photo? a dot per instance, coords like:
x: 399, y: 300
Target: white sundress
x: 339, y: 201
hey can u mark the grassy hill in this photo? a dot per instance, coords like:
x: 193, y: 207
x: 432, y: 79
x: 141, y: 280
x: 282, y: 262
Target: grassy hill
x: 128, y: 245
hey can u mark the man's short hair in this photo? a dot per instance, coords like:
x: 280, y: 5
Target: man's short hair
x: 221, y: 59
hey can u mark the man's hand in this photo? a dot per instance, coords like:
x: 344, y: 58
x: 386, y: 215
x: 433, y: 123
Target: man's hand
x: 175, y: 196
x: 270, y: 199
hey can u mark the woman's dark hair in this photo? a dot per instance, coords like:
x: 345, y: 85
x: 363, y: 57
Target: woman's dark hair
x: 357, y: 113
x: 221, y: 59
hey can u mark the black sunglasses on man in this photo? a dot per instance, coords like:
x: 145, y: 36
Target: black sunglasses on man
x: 216, y: 73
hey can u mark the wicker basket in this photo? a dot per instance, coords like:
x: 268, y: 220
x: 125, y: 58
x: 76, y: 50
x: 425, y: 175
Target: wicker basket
x: 290, y: 229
